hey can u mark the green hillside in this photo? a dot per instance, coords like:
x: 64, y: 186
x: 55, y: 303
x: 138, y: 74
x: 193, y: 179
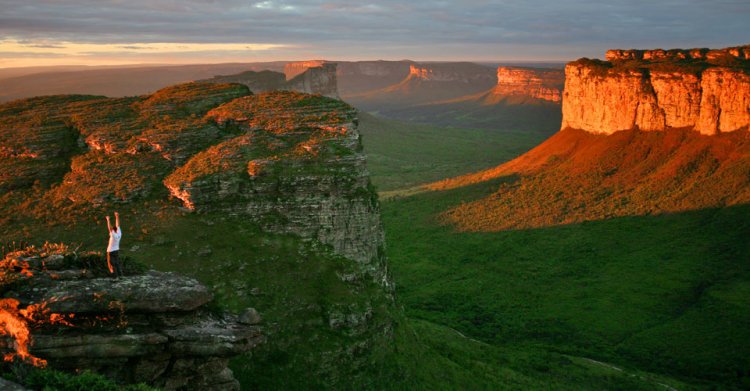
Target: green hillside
x: 664, y: 298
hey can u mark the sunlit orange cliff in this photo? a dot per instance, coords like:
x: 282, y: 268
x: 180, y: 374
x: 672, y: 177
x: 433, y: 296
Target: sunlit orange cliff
x: 645, y: 132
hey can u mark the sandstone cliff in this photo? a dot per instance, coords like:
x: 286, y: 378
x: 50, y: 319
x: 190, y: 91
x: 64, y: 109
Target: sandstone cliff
x: 543, y: 84
x: 700, y: 89
x: 148, y: 327
x: 310, y: 77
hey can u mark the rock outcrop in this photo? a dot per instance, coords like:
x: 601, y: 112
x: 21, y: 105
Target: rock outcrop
x: 704, y: 90
x: 543, y: 84
x: 150, y: 327
x: 299, y: 160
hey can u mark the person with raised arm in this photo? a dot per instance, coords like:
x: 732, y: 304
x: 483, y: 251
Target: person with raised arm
x: 113, y: 248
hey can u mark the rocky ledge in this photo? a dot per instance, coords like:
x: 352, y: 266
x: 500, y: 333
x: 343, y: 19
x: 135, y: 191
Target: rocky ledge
x: 60, y: 309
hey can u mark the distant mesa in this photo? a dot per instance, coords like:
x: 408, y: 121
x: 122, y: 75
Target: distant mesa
x: 427, y: 83
x: 293, y: 69
x: 311, y: 77
x: 117, y: 82
x: 544, y: 84
x: 451, y: 72
x: 360, y: 76
x: 700, y: 89
x: 468, y: 95
x: 316, y: 80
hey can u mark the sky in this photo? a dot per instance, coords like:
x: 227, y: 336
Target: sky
x: 99, y: 32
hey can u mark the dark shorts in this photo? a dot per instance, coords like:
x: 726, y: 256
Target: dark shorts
x: 113, y: 258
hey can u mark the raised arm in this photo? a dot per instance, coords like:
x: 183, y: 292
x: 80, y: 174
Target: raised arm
x: 117, y: 220
x: 109, y: 225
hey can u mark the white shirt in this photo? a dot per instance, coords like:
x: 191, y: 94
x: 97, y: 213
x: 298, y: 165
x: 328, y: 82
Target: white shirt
x: 114, y: 240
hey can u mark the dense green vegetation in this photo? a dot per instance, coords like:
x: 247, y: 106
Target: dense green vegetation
x: 651, y: 295
x: 660, y: 293
x: 402, y: 155
x: 51, y: 380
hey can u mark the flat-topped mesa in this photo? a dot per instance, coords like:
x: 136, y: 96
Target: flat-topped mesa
x: 373, y: 68
x: 293, y: 69
x: 310, y: 77
x: 316, y: 80
x: 544, y: 84
x: 455, y: 72
x: 704, y: 90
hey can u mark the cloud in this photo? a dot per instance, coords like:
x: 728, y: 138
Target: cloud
x: 471, y: 29
x: 76, y: 48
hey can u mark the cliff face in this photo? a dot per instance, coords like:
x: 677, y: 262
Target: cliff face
x: 707, y: 91
x: 316, y: 80
x: 300, y: 162
x: 293, y: 69
x: 361, y: 76
x: 310, y: 77
x: 374, y: 68
x: 526, y: 82
x: 452, y: 72
x: 147, y: 327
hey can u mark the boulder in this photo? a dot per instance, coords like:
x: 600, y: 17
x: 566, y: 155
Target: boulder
x: 151, y: 327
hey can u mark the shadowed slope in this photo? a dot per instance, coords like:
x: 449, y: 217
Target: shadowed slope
x: 576, y: 176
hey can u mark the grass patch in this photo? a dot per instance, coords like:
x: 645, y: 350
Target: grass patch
x: 402, y: 155
x: 657, y: 293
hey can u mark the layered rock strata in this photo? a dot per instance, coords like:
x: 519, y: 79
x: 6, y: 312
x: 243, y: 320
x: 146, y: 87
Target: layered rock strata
x: 150, y: 327
x: 704, y: 90
x: 544, y: 84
